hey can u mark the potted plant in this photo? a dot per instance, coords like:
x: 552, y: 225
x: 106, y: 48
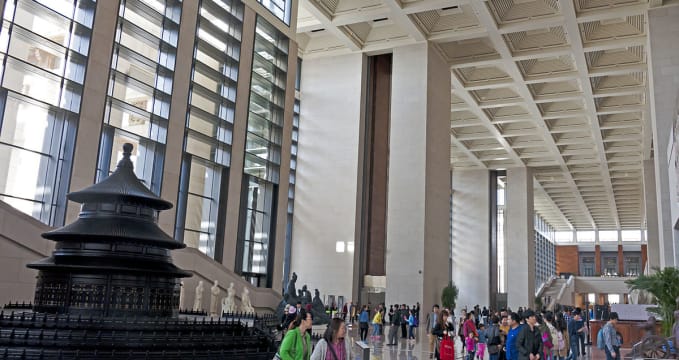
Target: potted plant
x: 664, y: 286
x: 449, y: 296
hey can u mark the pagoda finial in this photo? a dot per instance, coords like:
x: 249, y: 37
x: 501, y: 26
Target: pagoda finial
x: 127, y: 152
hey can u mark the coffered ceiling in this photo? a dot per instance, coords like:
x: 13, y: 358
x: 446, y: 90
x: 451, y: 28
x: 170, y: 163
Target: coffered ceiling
x: 559, y: 86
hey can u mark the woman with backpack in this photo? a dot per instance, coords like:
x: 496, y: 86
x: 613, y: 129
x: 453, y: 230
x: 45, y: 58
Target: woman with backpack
x: 363, y: 319
x: 412, y: 324
x: 335, y: 343
x: 562, y: 344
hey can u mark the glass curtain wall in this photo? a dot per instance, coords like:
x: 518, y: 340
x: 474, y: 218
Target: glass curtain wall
x: 500, y: 233
x: 209, y: 127
x: 293, y: 174
x: 140, y: 88
x: 280, y: 8
x: 545, y: 251
x: 262, y: 154
x: 44, y: 47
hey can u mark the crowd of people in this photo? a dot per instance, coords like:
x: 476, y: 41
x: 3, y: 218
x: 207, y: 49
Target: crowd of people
x: 521, y: 335
x: 503, y: 335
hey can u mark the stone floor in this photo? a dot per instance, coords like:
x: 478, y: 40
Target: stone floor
x: 419, y: 349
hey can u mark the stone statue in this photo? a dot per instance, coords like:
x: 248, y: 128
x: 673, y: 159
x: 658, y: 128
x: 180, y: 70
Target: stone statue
x: 290, y: 291
x: 229, y: 303
x: 214, y: 298
x: 181, y: 294
x: 318, y: 310
x: 198, y: 299
x: 245, y: 304
x: 306, y: 295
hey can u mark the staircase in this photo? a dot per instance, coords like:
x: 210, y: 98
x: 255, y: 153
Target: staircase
x: 551, y: 293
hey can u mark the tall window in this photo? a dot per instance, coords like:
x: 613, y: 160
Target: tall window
x: 545, y: 251
x: 293, y: 173
x: 632, y: 264
x: 262, y: 155
x: 43, y: 50
x: 209, y: 126
x: 501, y: 258
x: 140, y: 87
x: 587, y: 265
x: 609, y: 264
x: 281, y: 8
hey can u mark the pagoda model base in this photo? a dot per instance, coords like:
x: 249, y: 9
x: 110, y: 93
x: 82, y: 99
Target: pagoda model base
x: 106, y: 295
x: 30, y: 335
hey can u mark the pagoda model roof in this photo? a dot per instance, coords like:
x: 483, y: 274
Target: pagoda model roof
x: 123, y: 184
x: 114, y: 229
x: 119, y: 265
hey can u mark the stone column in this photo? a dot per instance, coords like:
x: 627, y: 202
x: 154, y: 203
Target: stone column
x: 520, y: 246
x: 664, y: 82
x: 238, y: 143
x: 419, y: 183
x: 178, y: 108
x: 651, y: 206
x: 471, y: 231
x: 93, y: 101
x: 328, y: 165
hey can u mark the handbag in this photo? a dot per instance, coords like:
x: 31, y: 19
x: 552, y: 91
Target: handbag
x: 447, y: 349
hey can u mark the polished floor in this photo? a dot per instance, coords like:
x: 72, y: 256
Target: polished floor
x: 417, y: 349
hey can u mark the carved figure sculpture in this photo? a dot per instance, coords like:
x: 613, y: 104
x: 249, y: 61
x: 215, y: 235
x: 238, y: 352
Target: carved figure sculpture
x: 229, y: 303
x: 214, y: 298
x: 245, y: 304
x: 198, y: 299
x: 182, y: 292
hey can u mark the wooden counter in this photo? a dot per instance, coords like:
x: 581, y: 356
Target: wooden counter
x: 631, y: 331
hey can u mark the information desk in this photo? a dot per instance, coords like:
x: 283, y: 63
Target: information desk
x: 631, y: 331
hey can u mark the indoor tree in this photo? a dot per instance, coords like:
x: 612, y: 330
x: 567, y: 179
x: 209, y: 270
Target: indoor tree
x: 663, y: 284
x: 449, y: 296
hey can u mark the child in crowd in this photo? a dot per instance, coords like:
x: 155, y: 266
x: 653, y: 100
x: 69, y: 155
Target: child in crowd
x: 481, y: 345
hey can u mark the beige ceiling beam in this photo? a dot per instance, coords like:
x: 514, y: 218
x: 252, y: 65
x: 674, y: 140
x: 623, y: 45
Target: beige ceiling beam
x: 403, y: 21
x: 485, y: 120
x: 533, y: 24
x: 613, y: 44
x: 491, y: 104
x: 619, y: 109
x: 557, y: 97
x: 552, y: 77
x: 359, y: 16
x: 547, y: 52
x: 457, y: 35
x: 487, y: 20
x: 617, y: 70
x: 489, y: 84
x: 573, y: 32
x: 427, y: 5
x: 612, y: 12
x: 324, y: 18
x: 463, y: 148
x: 456, y: 63
x: 628, y: 90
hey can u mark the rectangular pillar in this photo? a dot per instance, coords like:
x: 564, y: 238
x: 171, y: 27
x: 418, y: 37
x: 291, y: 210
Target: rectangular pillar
x: 419, y: 181
x: 327, y: 189
x: 93, y: 101
x: 520, y: 238
x: 651, y: 206
x: 471, y: 243
x: 663, y: 30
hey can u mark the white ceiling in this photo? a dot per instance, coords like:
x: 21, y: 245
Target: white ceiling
x: 559, y: 86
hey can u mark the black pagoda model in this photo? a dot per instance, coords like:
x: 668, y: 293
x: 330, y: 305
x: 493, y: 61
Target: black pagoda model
x: 114, y: 260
